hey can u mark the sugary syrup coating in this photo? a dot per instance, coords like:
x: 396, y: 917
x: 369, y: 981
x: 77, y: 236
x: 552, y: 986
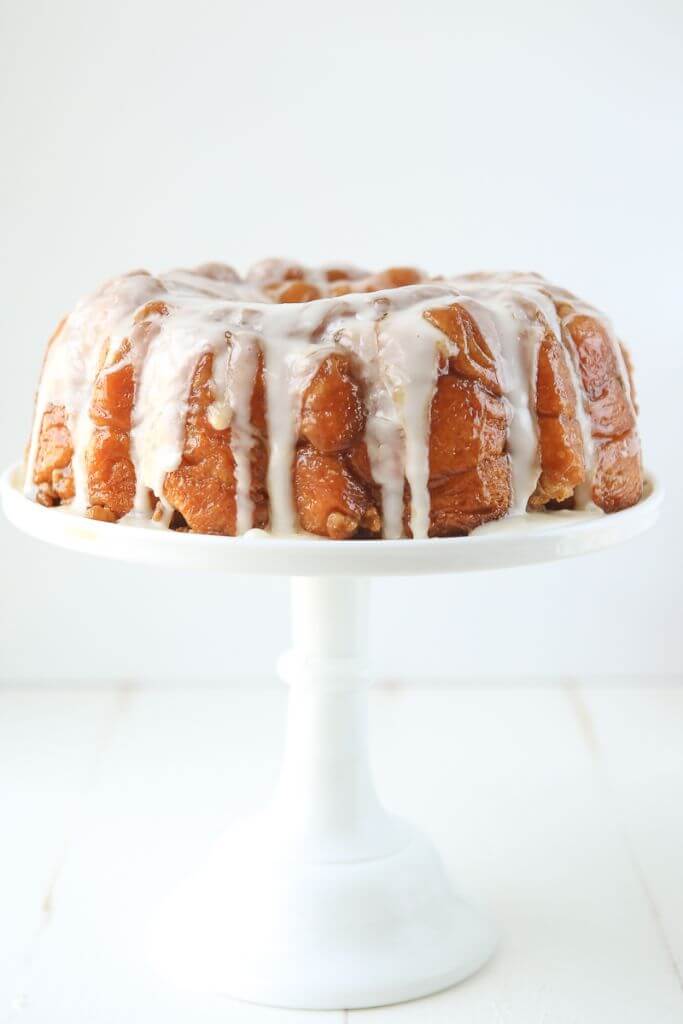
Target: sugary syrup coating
x: 53, y: 471
x: 332, y: 498
x: 203, y: 489
x: 298, y: 291
x: 618, y: 478
x: 111, y: 473
x: 560, y: 441
x: 332, y: 412
x: 469, y: 476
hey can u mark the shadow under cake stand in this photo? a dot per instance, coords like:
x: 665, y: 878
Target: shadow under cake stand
x: 325, y: 900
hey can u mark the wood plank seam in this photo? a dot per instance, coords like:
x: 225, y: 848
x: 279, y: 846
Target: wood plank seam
x: 599, y: 759
x: 112, y: 724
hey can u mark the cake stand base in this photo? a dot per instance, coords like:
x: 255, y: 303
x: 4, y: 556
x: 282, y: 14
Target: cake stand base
x: 326, y: 900
x: 261, y: 925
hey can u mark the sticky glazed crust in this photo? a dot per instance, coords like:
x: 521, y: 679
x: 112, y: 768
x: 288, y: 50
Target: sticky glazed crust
x: 333, y: 401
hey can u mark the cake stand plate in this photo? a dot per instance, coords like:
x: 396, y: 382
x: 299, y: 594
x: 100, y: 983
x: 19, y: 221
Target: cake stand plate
x: 325, y: 900
x: 511, y: 542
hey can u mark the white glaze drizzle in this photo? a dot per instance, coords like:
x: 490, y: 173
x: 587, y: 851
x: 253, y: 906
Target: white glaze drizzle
x: 71, y: 366
x: 162, y: 393
x: 395, y: 350
x: 282, y: 371
x: 240, y: 370
x: 384, y: 438
x: 545, y: 295
x: 583, y: 492
x: 408, y: 349
x: 514, y: 337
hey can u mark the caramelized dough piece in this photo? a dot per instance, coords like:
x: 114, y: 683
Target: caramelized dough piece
x: 292, y: 282
x: 52, y: 472
x: 358, y: 460
x: 461, y: 502
x: 257, y: 410
x: 299, y: 291
x: 344, y: 279
x: 394, y: 277
x: 618, y: 477
x: 112, y: 398
x: 156, y: 307
x: 203, y: 488
x: 618, y: 481
x: 110, y: 470
x: 337, y: 274
x: 469, y: 426
x: 111, y: 476
x: 463, y: 436
x: 473, y: 359
x: 332, y: 412
x: 469, y: 474
x: 340, y: 288
x: 258, y: 489
x: 102, y: 514
x: 610, y: 411
x: 271, y: 273
x: 560, y: 441
x: 330, y: 500
x: 333, y: 485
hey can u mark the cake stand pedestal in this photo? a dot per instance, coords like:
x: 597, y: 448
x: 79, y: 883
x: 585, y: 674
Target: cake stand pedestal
x: 324, y: 900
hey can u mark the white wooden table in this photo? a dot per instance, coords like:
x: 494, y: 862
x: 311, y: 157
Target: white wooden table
x: 572, y: 792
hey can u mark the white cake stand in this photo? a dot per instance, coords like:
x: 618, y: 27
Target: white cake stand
x: 324, y: 900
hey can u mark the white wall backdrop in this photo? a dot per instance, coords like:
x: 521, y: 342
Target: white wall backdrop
x: 453, y: 135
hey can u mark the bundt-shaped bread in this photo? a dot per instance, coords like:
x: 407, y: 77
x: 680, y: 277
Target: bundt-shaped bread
x: 333, y: 401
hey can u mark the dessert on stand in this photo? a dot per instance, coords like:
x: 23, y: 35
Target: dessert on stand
x: 331, y: 426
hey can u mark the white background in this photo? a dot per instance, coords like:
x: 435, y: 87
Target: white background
x: 454, y: 136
